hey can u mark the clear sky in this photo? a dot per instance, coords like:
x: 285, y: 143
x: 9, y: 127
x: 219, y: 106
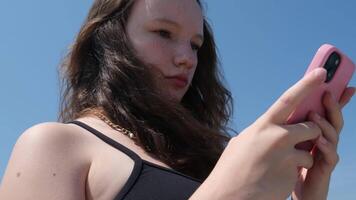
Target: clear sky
x: 264, y: 47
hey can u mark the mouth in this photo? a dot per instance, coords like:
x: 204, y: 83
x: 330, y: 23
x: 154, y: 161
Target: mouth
x: 178, y: 82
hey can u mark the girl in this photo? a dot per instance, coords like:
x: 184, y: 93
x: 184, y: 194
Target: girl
x: 144, y: 116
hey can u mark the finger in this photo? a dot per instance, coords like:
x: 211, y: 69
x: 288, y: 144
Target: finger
x: 286, y: 104
x: 302, y: 132
x: 333, y: 110
x: 316, y: 153
x: 328, y: 151
x: 304, y: 159
x: 327, y: 129
x: 346, y: 96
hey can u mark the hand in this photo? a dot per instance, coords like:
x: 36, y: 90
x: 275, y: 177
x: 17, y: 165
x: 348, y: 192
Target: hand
x: 262, y: 161
x: 314, y: 183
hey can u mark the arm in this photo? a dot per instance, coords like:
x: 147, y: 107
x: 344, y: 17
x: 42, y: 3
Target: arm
x: 46, y: 163
x: 262, y: 161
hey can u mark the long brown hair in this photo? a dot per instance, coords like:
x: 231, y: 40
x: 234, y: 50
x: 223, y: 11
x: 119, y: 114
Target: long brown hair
x: 101, y: 72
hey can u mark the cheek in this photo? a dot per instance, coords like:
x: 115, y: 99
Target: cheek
x: 153, y: 51
x: 155, y: 54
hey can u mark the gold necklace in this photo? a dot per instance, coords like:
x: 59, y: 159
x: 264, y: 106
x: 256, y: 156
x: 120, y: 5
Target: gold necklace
x: 114, y: 126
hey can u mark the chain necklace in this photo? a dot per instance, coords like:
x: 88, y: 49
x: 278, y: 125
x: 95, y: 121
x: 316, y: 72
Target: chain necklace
x: 114, y: 126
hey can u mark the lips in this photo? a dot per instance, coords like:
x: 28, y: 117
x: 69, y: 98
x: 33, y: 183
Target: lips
x: 179, y: 81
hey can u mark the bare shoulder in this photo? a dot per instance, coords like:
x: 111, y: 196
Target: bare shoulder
x: 48, y: 161
x: 50, y: 135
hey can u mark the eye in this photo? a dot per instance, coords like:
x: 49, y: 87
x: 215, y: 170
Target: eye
x: 164, y: 33
x: 195, y: 47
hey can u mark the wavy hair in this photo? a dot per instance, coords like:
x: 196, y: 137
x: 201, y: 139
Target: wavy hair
x: 101, y: 72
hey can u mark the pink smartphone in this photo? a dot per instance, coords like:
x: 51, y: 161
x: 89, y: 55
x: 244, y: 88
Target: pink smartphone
x: 339, y: 72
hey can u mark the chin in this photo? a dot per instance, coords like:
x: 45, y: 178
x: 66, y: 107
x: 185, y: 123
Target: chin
x: 176, y: 97
x: 172, y: 94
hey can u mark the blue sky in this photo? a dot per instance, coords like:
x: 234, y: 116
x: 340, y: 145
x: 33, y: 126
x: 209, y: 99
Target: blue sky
x: 264, y: 47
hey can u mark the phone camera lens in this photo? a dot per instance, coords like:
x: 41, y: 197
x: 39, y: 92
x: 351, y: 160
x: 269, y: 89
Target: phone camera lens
x: 331, y: 65
x: 329, y: 75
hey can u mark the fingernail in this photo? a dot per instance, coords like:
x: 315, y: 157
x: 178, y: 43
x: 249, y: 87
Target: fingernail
x: 332, y: 96
x: 316, y: 116
x: 321, y: 73
x: 322, y: 140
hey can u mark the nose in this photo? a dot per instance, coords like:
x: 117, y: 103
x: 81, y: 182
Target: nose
x: 185, y: 57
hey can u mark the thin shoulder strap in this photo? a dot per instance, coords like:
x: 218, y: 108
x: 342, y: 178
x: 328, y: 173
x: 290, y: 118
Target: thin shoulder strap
x: 108, y: 140
x: 137, y: 159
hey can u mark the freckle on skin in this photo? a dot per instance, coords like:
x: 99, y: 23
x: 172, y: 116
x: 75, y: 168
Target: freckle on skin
x: 18, y: 174
x: 54, y: 174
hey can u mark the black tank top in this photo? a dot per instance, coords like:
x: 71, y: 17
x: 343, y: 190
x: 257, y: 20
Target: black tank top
x: 149, y: 181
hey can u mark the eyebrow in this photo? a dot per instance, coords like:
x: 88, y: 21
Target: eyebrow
x: 168, y: 21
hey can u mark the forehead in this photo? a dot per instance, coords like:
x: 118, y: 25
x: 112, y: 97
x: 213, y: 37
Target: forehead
x: 184, y: 12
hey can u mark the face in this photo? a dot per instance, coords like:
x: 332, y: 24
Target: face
x: 166, y: 35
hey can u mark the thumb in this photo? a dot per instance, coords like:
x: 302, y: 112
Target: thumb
x: 279, y: 112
